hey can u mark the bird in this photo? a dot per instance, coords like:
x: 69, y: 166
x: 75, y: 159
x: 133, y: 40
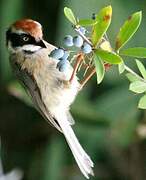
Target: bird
x: 48, y: 88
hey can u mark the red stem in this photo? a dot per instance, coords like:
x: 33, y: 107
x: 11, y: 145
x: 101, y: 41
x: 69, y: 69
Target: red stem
x: 79, y: 59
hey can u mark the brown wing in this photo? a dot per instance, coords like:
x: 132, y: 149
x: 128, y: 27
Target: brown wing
x: 31, y: 87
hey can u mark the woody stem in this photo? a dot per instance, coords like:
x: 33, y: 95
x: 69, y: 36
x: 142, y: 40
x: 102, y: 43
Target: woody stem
x: 90, y: 74
x: 76, y: 66
x: 88, y: 77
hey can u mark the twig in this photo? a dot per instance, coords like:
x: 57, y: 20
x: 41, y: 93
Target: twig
x: 134, y: 73
x: 79, y: 59
x: 86, y: 79
x: 82, y: 35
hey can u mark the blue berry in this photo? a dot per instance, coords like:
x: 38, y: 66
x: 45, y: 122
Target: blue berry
x: 68, y: 40
x: 57, y: 53
x: 65, y: 56
x: 78, y: 41
x: 86, y: 48
x: 83, y: 30
x: 63, y: 65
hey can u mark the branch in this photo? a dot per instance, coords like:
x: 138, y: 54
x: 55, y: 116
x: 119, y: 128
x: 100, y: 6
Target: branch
x: 134, y: 73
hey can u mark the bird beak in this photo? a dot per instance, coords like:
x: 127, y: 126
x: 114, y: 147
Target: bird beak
x: 41, y: 43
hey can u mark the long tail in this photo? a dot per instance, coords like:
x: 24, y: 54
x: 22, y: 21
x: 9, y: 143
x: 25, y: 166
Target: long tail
x: 83, y: 160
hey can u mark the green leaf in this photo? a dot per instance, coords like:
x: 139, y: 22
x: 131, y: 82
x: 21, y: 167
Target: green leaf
x: 139, y: 52
x: 100, y: 69
x: 142, y: 102
x: 128, y: 29
x: 70, y: 15
x: 138, y: 87
x: 121, y: 67
x: 103, y: 19
x: 141, y: 68
x: 109, y: 57
x: 87, y: 22
x: 131, y: 77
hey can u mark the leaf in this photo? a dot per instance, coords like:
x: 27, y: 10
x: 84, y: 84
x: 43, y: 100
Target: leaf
x: 142, y: 102
x: 103, y: 19
x: 139, y: 52
x: 100, y: 69
x: 87, y: 22
x: 141, y: 68
x: 128, y: 29
x: 121, y: 67
x: 138, y: 87
x: 70, y: 15
x: 131, y: 77
x: 109, y: 57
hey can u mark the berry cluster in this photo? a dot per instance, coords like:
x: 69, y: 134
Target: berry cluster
x: 78, y: 41
x: 62, y: 55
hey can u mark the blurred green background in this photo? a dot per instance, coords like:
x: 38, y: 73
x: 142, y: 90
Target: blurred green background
x: 108, y: 123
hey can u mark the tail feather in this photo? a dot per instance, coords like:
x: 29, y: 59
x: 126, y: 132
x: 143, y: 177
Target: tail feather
x: 83, y: 163
x: 83, y: 160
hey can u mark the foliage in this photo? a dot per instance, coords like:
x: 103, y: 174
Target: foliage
x: 101, y: 56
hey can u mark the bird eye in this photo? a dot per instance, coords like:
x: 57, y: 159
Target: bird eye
x: 25, y: 38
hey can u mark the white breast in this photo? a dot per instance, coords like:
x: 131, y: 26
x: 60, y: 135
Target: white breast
x: 56, y: 93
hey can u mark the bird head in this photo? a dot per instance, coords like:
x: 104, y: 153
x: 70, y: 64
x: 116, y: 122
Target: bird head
x: 25, y: 35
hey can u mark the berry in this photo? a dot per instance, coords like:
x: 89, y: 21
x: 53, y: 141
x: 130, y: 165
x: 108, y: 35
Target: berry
x: 65, y: 56
x: 93, y: 16
x: 86, y: 48
x: 57, y: 53
x: 63, y: 65
x: 68, y: 40
x: 78, y: 41
x: 82, y: 30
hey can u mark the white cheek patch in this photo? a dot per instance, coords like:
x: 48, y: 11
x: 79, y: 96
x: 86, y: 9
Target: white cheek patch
x: 27, y: 47
x: 30, y: 47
